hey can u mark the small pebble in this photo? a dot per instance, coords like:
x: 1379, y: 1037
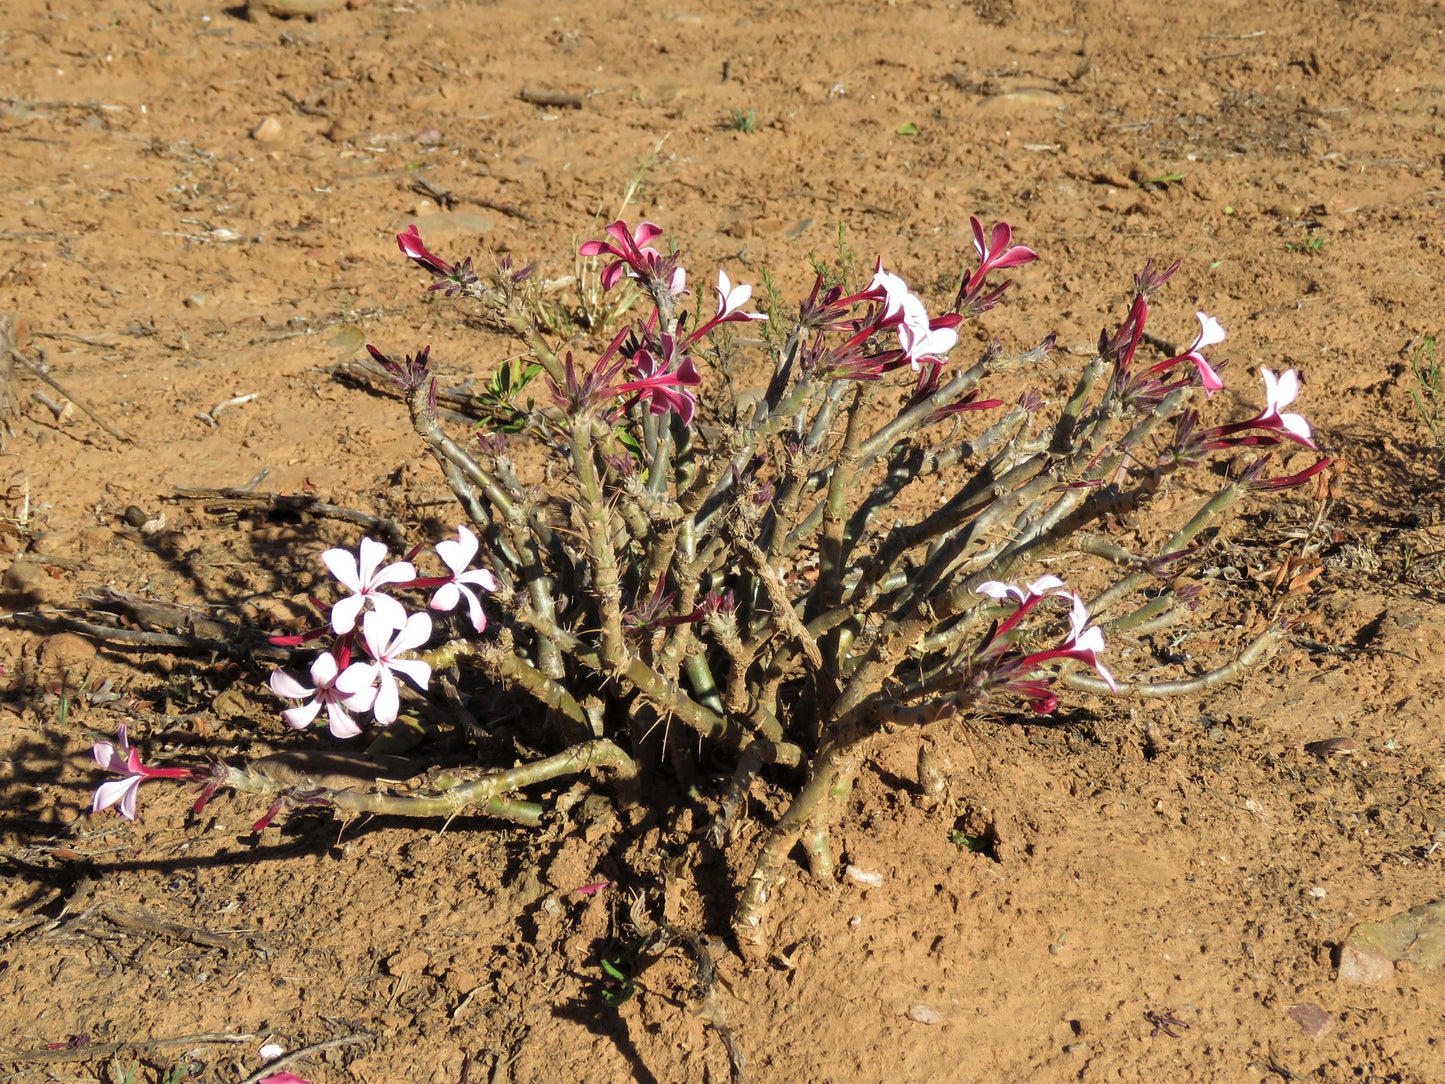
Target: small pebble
x: 922, y: 1014
x: 342, y: 130
x: 1317, y: 892
x: 27, y: 579
x: 1363, y: 967
x: 1312, y: 1020
x: 864, y: 877
x: 268, y: 131
x: 1330, y: 747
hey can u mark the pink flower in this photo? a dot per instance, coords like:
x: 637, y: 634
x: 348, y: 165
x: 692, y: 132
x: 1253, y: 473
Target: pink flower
x: 999, y: 667
x: 451, y: 277
x: 1280, y: 392
x: 385, y: 643
x: 1085, y: 642
x: 996, y: 253
x: 339, y: 691
x: 1211, y: 333
x: 636, y: 258
x: 122, y: 759
x: 283, y: 1078
x: 993, y: 253
x: 364, y: 578
x: 410, y: 242
x: 664, y: 380
x: 730, y: 299
x: 457, y: 556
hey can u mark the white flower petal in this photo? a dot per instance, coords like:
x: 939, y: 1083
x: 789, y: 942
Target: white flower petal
x: 1044, y: 584
x: 457, y: 554
x: 342, y: 725
x: 388, y: 700
x: 1211, y: 331
x: 474, y: 610
x: 417, y: 671
x: 372, y: 554
x: 324, y: 670
x: 300, y: 718
x: 1296, y: 424
x: 396, y: 572
x: 342, y: 565
x: 120, y: 793
x: 447, y: 596
x: 999, y: 590
x: 287, y: 687
x: 356, y: 678
x: 391, y: 611
x: 343, y: 614
x: 107, y: 756
x: 481, y: 577
x: 412, y: 634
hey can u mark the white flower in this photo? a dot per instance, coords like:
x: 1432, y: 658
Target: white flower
x: 385, y: 642
x: 457, y: 556
x: 364, y: 578
x: 918, y: 339
x: 1041, y: 586
x: 339, y: 691
x: 1279, y: 392
x: 894, y: 290
x: 731, y: 298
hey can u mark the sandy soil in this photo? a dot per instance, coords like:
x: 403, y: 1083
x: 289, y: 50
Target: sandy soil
x: 199, y: 207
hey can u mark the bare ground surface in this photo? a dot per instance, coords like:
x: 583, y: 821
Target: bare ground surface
x: 165, y: 250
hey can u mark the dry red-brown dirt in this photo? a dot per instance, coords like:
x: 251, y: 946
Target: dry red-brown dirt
x: 200, y: 207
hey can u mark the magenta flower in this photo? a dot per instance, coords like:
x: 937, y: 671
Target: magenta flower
x: 283, y: 1078
x: 663, y: 379
x: 364, y: 578
x: 385, y: 643
x: 993, y: 253
x: 996, y: 253
x: 410, y: 242
x: 636, y: 258
x: 407, y: 374
x: 339, y: 691
x: 449, y: 276
x: 457, y: 556
x: 122, y: 759
x: 1211, y: 333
